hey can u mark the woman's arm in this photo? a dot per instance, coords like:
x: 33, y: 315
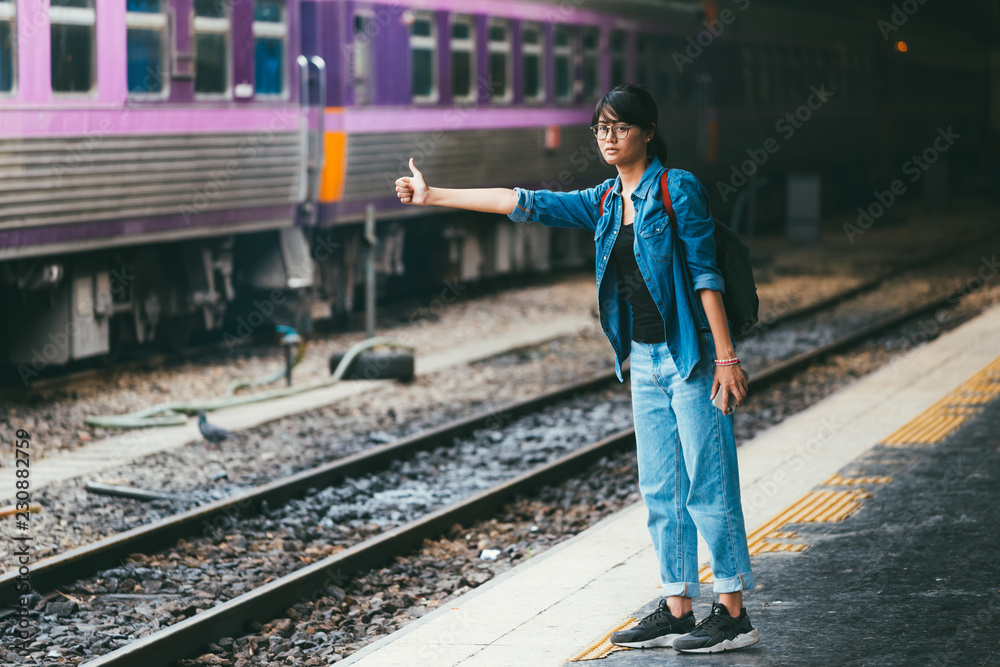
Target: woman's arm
x: 695, y: 229
x: 553, y: 209
x: 728, y: 379
x: 414, y: 190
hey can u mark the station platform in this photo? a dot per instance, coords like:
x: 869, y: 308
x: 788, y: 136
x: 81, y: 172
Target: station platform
x: 873, y: 530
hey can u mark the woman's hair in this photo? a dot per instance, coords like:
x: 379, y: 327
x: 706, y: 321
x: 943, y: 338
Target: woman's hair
x: 633, y: 105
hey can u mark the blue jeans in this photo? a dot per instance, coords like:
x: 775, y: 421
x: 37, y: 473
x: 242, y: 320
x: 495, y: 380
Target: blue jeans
x: 688, y: 472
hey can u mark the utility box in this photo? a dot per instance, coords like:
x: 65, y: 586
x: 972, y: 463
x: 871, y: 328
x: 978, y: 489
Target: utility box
x: 803, y: 206
x: 91, y: 313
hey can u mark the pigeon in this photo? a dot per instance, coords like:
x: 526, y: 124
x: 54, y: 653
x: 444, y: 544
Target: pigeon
x: 214, y: 434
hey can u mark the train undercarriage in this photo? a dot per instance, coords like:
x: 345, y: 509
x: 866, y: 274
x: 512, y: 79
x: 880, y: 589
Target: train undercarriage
x: 91, y: 306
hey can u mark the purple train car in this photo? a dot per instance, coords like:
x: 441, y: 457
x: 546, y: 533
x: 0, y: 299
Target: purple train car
x: 155, y: 163
x: 176, y: 165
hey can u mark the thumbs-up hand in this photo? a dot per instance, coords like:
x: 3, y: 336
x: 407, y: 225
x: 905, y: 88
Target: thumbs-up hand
x: 412, y: 189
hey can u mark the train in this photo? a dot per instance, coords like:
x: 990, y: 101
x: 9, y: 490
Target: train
x: 169, y: 167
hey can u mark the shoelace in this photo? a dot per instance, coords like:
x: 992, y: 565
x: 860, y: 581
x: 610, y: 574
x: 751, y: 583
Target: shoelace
x: 661, y: 611
x: 712, y: 620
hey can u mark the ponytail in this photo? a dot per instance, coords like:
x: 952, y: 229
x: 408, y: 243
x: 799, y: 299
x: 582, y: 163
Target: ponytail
x: 657, y: 147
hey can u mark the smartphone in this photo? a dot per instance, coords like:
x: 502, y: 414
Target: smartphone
x: 731, y: 408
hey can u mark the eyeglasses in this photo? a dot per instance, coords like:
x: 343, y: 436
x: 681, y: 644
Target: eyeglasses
x: 601, y: 131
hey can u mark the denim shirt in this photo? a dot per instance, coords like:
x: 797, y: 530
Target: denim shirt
x: 660, y: 263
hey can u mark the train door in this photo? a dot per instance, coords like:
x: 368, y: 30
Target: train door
x: 313, y: 100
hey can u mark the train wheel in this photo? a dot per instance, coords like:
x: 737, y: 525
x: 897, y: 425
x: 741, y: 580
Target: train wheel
x: 175, y: 332
x: 116, y: 341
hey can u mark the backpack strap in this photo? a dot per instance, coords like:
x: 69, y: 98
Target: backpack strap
x: 667, y: 204
x: 604, y: 198
x: 665, y: 193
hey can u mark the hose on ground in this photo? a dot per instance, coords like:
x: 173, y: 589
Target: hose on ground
x: 175, y: 413
x: 271, y: 378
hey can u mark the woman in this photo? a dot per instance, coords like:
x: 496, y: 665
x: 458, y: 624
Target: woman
x: 662, y: 304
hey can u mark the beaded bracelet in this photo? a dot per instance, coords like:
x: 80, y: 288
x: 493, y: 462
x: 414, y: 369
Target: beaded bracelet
x: 727, y: 362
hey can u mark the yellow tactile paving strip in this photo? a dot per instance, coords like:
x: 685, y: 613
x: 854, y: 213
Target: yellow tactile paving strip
x: 815, y: 507
x: 821, y: 506
x: 603, y: 646
x: 837, y: 480
x: 941, y: 419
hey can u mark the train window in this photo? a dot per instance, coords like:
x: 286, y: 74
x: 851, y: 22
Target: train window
x: 618, y: 44
x: 145, y: 47
x: 463, y: 59
x: 827, y: 70
x: 74, y: 43
x: 8, y: 20
x: 210, y: 9
x: 423, y: 49
x: 642, y: 51
x: 686, y: 85
x: 845, y: 83
x: 792, y: 74
x: 814, y: 68
x: 846, y: 87
x: 726, y: 84
x: 862, y: 72
x: 749, y: 83
x: 563, y: 57
x: 531, y: 40
x: 763, y: 72
x: 591, y: 63
x: 666, y: 71
x: 500, y: 60
x: 270, y: 34
x: 852, y: 79
x: 779, y: 78
x: 822, y: 68
x: 211, y: 48
x: 793, y: 84
x: 866, y: 78
x: 364, y: 58
x: 796, y: 74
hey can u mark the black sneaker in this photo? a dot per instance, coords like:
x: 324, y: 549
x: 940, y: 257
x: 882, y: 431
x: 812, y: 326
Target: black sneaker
x: 660, y: 628
x: 719, y: 632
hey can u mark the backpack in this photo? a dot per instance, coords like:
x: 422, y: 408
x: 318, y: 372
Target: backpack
x: 732, y: 257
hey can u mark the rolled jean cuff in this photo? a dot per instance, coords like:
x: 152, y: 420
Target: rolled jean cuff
x: 741, y: 582
x: 688, y: 590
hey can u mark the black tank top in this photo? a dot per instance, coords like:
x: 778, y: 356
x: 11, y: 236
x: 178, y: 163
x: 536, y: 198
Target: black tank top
x: 647, y: 323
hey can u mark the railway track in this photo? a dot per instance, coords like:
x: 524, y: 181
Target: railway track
x: 83, y: 561
x: 228, y: 617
